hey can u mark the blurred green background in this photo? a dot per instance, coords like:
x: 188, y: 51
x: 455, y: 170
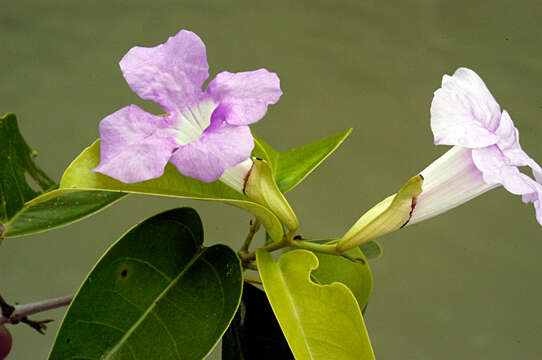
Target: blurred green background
x: 463, y: 285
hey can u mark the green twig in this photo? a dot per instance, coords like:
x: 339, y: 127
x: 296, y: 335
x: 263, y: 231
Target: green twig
x: 248, y: 257
x: 250, y: 266
x: 254, y: 227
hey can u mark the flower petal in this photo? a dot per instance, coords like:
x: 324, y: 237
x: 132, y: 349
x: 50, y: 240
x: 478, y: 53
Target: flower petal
x: 131, y: 149
x: 509, y: 141
x: 534, y: 197
x: 449, y: 181
x: 220, y: 147
x: 509, y: 145
x: 463, y: 111
x: 496, y: 168
x: 244, y: 96
x: 171, y: 74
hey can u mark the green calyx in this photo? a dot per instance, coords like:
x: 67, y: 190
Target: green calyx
x: 388, y: 215
x: 261, y: 187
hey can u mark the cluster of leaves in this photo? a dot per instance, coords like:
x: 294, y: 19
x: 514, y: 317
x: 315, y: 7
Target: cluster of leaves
x: 159, y: 292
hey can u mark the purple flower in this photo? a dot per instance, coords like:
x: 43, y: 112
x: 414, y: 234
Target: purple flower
x: 203, y: 133
x: 486, y: 152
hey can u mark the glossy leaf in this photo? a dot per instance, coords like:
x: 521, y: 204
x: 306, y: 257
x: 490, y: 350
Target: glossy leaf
x: 254, y: 332
x: 79, y: 176
x: 25, y: 209
x: 156, y: 294
x: 293, y: 166
x: 355, y: 275
x: 16, y: 164
x: 320, y: 322
x: 57, y: 208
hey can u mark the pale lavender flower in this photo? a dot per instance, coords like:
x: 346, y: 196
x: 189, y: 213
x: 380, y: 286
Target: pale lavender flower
x: 203, y: 133
x: 486, y: 152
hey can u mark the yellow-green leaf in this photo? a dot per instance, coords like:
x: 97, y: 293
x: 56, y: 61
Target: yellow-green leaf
x: 320, y: 322
x: 79, y: 176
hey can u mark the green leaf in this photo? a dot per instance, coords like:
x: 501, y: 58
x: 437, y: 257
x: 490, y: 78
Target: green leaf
x: 156, y: 294
x: 265, y: 151
x: 57, y: 208
x: 371, y: 249
x: 293, y: 166
x: 355, y: 275
x: 25, y: 210
x: 79, y: 176
x: 320, y: 322
x: 16, y: 163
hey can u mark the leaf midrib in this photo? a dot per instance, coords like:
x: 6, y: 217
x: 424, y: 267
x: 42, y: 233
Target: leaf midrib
x: 294, y: 310
x: 143, y: 316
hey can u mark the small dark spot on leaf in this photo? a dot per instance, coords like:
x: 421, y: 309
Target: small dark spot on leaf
x: 68, y: 340
x: 124, y: 272
x: 298, y: 237
x: 258, y: 158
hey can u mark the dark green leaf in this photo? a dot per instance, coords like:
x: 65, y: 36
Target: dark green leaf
x: 156, y: 294
x: 16, y: 164
x: 255, y: 332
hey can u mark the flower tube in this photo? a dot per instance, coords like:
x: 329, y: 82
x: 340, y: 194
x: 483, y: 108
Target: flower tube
x: 486, y: 154
x: 204, y: 134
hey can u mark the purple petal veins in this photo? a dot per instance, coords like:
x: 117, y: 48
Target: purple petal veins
x: 203, y: 133
x: 486, y: 152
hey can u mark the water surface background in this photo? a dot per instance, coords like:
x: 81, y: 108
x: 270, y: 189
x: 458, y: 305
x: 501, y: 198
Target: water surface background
x: 464, y: 285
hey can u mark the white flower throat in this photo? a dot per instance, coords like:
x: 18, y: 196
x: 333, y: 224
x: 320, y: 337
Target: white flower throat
x: 193, y: 120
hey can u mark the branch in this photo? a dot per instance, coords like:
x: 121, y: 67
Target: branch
x: 19, y: 313
x: 254, y: 227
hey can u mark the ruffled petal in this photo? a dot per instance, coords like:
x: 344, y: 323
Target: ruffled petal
x: 496, y: 168
x: 220, y: 147
x: 244, y: 96
x: 534, y: 197
x: 509, y: 145
x: 131, y: 149
x: 170, y: 74
x: 509, y: 141
x: 463, y: 111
